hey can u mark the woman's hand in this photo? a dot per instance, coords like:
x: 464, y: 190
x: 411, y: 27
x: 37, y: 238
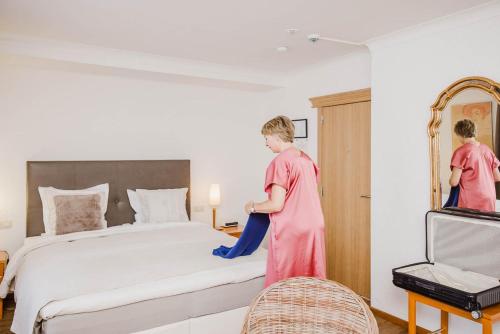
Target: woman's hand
x: 274, y: 204
x: 248, y: 207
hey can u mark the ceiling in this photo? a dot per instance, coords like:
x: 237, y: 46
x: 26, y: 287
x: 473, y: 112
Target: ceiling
x: 229, y: 32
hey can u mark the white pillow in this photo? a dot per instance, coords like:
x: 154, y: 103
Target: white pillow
x: 136, y: 205
x: 49, y: 209
x: 163, y: 205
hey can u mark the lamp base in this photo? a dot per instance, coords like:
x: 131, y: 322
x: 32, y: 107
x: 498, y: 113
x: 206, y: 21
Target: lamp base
x: 214, y: 213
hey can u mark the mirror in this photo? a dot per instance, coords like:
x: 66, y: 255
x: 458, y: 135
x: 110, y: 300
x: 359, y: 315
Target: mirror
x: 482, y: 109
x: 476, y: 99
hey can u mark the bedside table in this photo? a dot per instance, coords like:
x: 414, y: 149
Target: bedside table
x: 4, y: 257
x: 234, y: 231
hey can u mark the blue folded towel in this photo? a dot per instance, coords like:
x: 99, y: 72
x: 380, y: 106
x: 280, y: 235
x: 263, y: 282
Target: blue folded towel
x: 453, y: 198
x: 250, y: 239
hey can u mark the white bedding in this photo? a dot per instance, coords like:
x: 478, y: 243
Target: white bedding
x: 91, y: 271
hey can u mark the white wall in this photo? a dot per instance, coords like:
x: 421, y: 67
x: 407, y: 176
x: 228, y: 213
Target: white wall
x: 51, y: 112
x: 408, y: 71
x: 350, y: 72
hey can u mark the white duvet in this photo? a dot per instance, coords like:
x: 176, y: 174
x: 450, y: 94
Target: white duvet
x: 91, y: 271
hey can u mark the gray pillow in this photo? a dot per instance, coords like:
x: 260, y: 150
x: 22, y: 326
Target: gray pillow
x: 76, y: 213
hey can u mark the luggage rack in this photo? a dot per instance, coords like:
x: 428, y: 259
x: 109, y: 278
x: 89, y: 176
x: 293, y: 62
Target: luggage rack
x: 486, y: 317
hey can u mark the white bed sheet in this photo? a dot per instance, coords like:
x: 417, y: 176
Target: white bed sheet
x: 91, y: 271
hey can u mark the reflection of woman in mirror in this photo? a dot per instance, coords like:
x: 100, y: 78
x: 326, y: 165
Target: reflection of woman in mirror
x: 474, y: 169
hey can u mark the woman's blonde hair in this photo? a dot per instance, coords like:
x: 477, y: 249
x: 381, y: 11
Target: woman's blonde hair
x: 281, y: 126
x: 466, y: 128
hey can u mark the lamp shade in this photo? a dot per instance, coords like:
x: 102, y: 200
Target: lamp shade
x: 214, y: 195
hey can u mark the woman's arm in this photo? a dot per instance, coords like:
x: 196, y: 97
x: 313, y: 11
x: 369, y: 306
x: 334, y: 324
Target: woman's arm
x: 456, y: 173
x: 274, y: 204
x: 496, y: 174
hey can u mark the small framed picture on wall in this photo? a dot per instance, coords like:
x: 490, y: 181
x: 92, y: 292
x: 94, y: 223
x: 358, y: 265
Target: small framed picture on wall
x: 300, y: 127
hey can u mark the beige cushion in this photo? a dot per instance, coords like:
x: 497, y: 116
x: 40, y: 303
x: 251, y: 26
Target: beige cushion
x: 49, y: 211
x: 76, y: 213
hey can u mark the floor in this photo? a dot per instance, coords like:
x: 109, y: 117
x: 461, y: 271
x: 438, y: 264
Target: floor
x: 385, y: 327
x: 8, y: 313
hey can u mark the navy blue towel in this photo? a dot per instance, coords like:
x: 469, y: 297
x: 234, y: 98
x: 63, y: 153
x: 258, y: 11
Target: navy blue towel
x: 453, y: 198
x: 250, y: 239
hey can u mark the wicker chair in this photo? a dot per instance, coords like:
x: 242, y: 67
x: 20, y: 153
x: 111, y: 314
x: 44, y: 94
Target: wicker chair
x: 308, y: 305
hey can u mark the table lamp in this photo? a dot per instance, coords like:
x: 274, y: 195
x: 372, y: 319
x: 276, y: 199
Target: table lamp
x: 214, y: 200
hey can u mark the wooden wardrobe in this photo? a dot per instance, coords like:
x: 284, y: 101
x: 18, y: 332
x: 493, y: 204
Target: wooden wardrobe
x: 344, y: 161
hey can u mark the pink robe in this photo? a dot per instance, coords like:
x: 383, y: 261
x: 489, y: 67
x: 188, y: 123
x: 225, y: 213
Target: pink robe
x: 477, y: 182
x: 297, y: 239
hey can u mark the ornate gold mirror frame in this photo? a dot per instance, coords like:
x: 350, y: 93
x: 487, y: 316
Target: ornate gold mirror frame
x: 489, y: 86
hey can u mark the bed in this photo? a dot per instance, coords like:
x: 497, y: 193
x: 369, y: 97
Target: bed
x: 128, y: 278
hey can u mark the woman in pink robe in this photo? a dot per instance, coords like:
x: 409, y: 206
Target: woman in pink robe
x: 474, y: 168
x: 296, y: 241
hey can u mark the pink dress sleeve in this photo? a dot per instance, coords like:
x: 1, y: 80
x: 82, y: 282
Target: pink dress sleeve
x: 459, y: 159
x: 277, y: 173
x: 494, y: 161
x: 316, y: 171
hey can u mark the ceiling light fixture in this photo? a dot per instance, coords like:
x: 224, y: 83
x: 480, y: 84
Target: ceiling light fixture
x: 316, y: 37
x: 282, y: 49
x: 292, y: 31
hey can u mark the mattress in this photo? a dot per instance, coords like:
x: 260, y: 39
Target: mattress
x: 156, y: 312
x: 87, y: 273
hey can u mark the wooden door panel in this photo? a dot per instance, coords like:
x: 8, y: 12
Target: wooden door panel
x: 345, y: 178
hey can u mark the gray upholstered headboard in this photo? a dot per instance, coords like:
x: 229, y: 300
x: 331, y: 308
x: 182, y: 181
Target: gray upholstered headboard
x: 121, y: 175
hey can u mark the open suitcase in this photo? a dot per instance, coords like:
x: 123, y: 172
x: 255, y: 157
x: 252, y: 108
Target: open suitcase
x: 463, y: 260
